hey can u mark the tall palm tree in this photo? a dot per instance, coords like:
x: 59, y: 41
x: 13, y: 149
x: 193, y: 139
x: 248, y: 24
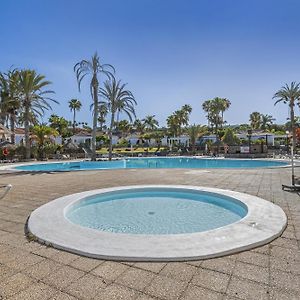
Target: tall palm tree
x: 289, y: 94
x: 255, y: 120
x: 34, y: 99
x: 225, y: 104
x: 9, y: 101
x: 118, y: 98
x: 94, y: 68
x: 150, y: 123
x: 74, y: 105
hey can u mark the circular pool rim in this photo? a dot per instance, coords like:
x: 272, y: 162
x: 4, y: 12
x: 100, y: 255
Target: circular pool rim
x: 263, y: 223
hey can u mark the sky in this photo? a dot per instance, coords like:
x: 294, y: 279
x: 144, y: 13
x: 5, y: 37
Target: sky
x: 170, y: 52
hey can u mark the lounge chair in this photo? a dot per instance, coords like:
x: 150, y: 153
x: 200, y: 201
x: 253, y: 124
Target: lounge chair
x: 4, y: 189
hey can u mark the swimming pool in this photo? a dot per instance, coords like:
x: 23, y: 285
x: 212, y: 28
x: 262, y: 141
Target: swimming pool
x: 256, y: 222
x: 153, y: 163
x: 156, y: 211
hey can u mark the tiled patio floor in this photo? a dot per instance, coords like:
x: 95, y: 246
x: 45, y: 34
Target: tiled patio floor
x: 32, y: 271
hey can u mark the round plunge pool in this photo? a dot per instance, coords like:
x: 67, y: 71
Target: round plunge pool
x: 157, y: 223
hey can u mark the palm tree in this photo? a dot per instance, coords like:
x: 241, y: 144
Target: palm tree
x: 255, y: 120
x: 266, y: 121
x: 102, y: 114
x: 93, y: 68
x: 9, y: 101
x: 74, y: 105
x: 194, y: 132
x: 150, y: 123
x: 139, y: 126
x: 225, y: 104
x: 43, y: 134
x: 118, y: 98
x: 289, y: 94
x: 34, y: 99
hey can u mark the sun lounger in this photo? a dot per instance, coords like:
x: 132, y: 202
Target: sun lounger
x: 295, y: 187
x: 4, y: 189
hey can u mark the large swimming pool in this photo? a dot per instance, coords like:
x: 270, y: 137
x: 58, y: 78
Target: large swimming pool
x: 153, y: 163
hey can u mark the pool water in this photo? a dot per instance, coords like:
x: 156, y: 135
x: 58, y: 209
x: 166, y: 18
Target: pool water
x: 152, y: 163
x: 156, y: 211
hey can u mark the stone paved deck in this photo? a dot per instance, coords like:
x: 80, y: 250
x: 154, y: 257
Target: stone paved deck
x: 29, y: 270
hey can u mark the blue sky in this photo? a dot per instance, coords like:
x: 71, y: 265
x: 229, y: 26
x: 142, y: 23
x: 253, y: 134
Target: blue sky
x: 170, y: 53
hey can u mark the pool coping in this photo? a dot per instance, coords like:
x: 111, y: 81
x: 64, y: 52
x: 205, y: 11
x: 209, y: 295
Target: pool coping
x: 263, y: 223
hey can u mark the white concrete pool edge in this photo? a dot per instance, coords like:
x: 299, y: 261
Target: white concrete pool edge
x: 263, y: 223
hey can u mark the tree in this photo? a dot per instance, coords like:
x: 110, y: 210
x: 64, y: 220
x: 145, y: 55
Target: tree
x: 118, y: 98
x: 9, y: 99
x: 215, y: 109
x: 230, y: 138
x: 255, y: 120
x: 60, y: 124
x: 289, y: 94
x: 150, y: 123
x: 266, y: 121
x: 102, y: 115
x: 194, y: 132
x: 34, y: 99
x: 139, y: 126
x: 74, y: 105
x: 125, y: 127
x: 178, y: 119
x: 93, y: 68
x: 42, y: 134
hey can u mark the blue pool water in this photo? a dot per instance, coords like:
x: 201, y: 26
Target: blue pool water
x: 150, y: 163
x: 156, y: 211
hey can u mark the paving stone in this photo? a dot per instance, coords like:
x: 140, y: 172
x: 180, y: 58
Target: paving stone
x: 135, y: 278
x: 246, y: 289
x: 37, y: 291
x: 85, y: 264
x: 62, y: 296
x: 153, y: 266
x: 110, y: 270
x: 285, y: 253
x: 254, y: 258
x: 223, y: 265
x: 285, y: 265
x: 165, y: 288
x: 276, y: 294
x: 285, y: 280
x: 196, y: 293
x: 251, y: 272
x: 42, y: 269
x: 14, y: 284
x: 210, y: 279
x: 117, y: 292
x: 179, y: 271
x: 63, y: 277
x: 86, y: 287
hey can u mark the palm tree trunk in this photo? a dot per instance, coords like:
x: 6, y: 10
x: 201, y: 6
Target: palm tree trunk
x: 26, y: 127
x: 12, y: 128
x: 110, y: 135
x: 74, y: 121
x: 95, y: 120
x: 293, y: 129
